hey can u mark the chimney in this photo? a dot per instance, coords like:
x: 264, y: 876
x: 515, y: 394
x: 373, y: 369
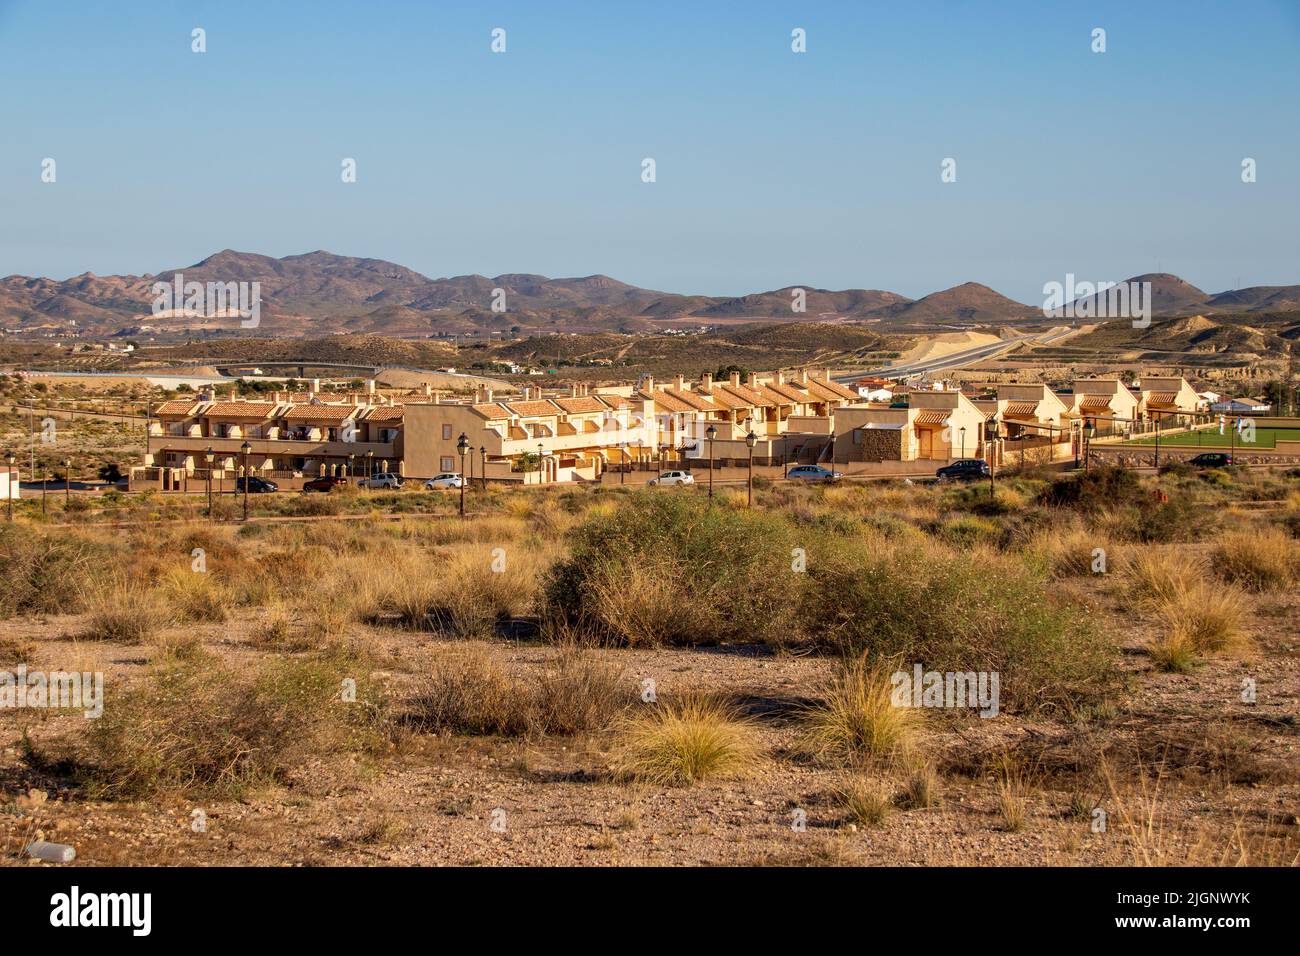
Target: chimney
x: 753, y: 380
x: 370, y: 386
x: 734, y: 378
x: 487, y: 395
x: 780, y: 378
x: 706, y: 383
x: 575, y: 391
x: 648, y: 383
x: 679, y: 382
x: 428, y: 390
x: 315, y: 386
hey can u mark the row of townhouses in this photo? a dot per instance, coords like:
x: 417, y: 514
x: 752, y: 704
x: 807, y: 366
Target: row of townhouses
x: 577, y: 435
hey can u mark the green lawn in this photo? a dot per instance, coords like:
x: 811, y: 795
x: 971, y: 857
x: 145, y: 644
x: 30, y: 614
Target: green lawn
x: 1210, y: 438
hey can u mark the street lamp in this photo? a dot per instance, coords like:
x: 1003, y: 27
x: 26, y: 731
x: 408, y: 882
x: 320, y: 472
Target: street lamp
x: 209, y: 457
x: 750, y: 441
x: 482, y: 456
x: 246, y: 448
x: 9, y: 460
x: 352, y: 467
x: 67, y: 483
x: 711, y: 433
x: 370, y: 467
x: 962, y: 430
x: 622, y: 463
x: 1089, y: 432
x: 541, y: 478
x: 462, y: 446
x: 995, y: 431
x: 1156, y: 415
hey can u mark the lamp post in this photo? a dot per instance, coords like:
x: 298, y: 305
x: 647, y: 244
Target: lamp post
x: 9, y: 460
x: 622, y: 464
x: 711, y: 433
x: 209, y: 457
x: 370, y: 467
x: 482, y: 460
x: 462, y: 446
x: 45, y: 479
x: 1076, y: 433
x: 995, y: 429
x: 750, y: 441
x: 541, y: 478
x: 1088, y: 432
x: 67, y: 483
x: 1156, y: 415
x: 246, y: 448
x: 352, y: 468
x: 962, y: 430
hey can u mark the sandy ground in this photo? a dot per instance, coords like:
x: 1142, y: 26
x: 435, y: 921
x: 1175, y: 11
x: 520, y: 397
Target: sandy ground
x: 945, y: 343
x: 1226, y: 767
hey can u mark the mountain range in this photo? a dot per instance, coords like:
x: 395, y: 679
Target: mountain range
x: 320, y: 293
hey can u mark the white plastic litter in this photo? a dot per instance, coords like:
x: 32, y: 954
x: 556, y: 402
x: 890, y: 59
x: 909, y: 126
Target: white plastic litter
x: 52, y: 852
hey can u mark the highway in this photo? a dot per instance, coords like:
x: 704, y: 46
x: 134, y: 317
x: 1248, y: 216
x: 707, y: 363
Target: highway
x: 958, y: 359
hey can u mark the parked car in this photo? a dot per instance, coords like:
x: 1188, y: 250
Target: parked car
x: 385, y: 479
x: 813, y: 473
x: 1211, y: 459
x: 963, y: 469
x: 324, y: 483
x: 256, y: 486
x: 673, y: 478
x: 445, y: 480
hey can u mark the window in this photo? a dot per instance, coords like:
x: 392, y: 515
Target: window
x: 447, y: 463
x: 446, y: 433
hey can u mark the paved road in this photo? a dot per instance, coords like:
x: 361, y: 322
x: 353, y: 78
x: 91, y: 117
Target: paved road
x: 958, y: 359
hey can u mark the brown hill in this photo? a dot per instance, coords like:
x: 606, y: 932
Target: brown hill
x: 967, y: 304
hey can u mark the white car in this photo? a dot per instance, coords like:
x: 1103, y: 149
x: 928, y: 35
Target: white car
x: 445, y: 480
x: 673, y: 478
x: 384, y: 479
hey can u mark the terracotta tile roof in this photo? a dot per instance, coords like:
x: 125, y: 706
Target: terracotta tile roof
x: 615, y: 401
x: 176, y: 408
x: 932, y: 416
x: 491, y: 410
x: 585, y: 403
x: 1163, y: 398
x: 666, y: 402
x: 533, y: 409
x: 701, y: 403
x: 321, y: 413
x: 789, y: 393
x: 1094, y: 402
x: 748, y: 395
x: 1021, y: 410
x: 834, y: 388
x: 240, y: 409
x: 726, y: 399
x: 389, y: 413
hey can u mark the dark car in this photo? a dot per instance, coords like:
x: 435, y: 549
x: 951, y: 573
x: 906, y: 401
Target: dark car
x: 256, y: 486
x: 324, y: 483
x: 964, y: 469
x: 1211, y: 459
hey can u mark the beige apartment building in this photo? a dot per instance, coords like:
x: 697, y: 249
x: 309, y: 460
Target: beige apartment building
x: 931, y: 426
x: 287, y: 439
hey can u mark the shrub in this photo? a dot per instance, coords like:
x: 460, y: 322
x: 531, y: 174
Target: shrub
x: 868, y: 801
x: 124, y: 614
x: 949, y: 611
x: 469, y: 692
x: 198, y: 727
x: 855, y: 719
x: 729, y: 570
x: 1262, y: 559
x: 686, y: 742
x: 48, y: 574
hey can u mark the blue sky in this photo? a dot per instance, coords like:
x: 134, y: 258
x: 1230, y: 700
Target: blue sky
x: 773, y: 168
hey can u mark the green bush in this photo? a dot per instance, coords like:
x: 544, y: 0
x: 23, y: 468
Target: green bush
x: 670, y: 569
x: 935, y: 606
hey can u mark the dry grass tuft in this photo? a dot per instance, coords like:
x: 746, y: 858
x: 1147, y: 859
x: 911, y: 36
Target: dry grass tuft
x: 1259, y: 560
x: 868, y: 800
x: 686, y: 742
x: 856, y: 720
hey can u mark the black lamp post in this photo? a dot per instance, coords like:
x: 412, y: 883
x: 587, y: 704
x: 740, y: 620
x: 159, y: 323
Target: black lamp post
x: 462, y: 446
x: 9, y: 460
x: 750, y: 441
x: 246, y: 448
x: 67, y: 483
x: 482, y: 461
x: 963, y: 440
x: 1089, y: 431
x: 541, y: 477
x: 370, y: 467
x: 209, y: 458
x: 995, y: 430
x: 622, y: 464
x: 352, y: 468
x: 711, y: 433
x: 1156, y: 416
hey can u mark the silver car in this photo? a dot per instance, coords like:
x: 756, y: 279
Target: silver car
x: 813, y: 473
x: 673, y: 478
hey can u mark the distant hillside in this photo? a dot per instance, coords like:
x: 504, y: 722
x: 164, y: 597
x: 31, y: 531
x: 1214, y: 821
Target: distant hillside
x: 1244, y: 335
x: 318, y: 293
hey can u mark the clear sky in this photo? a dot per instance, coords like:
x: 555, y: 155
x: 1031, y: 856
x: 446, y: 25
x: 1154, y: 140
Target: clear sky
x: 773, y: 168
